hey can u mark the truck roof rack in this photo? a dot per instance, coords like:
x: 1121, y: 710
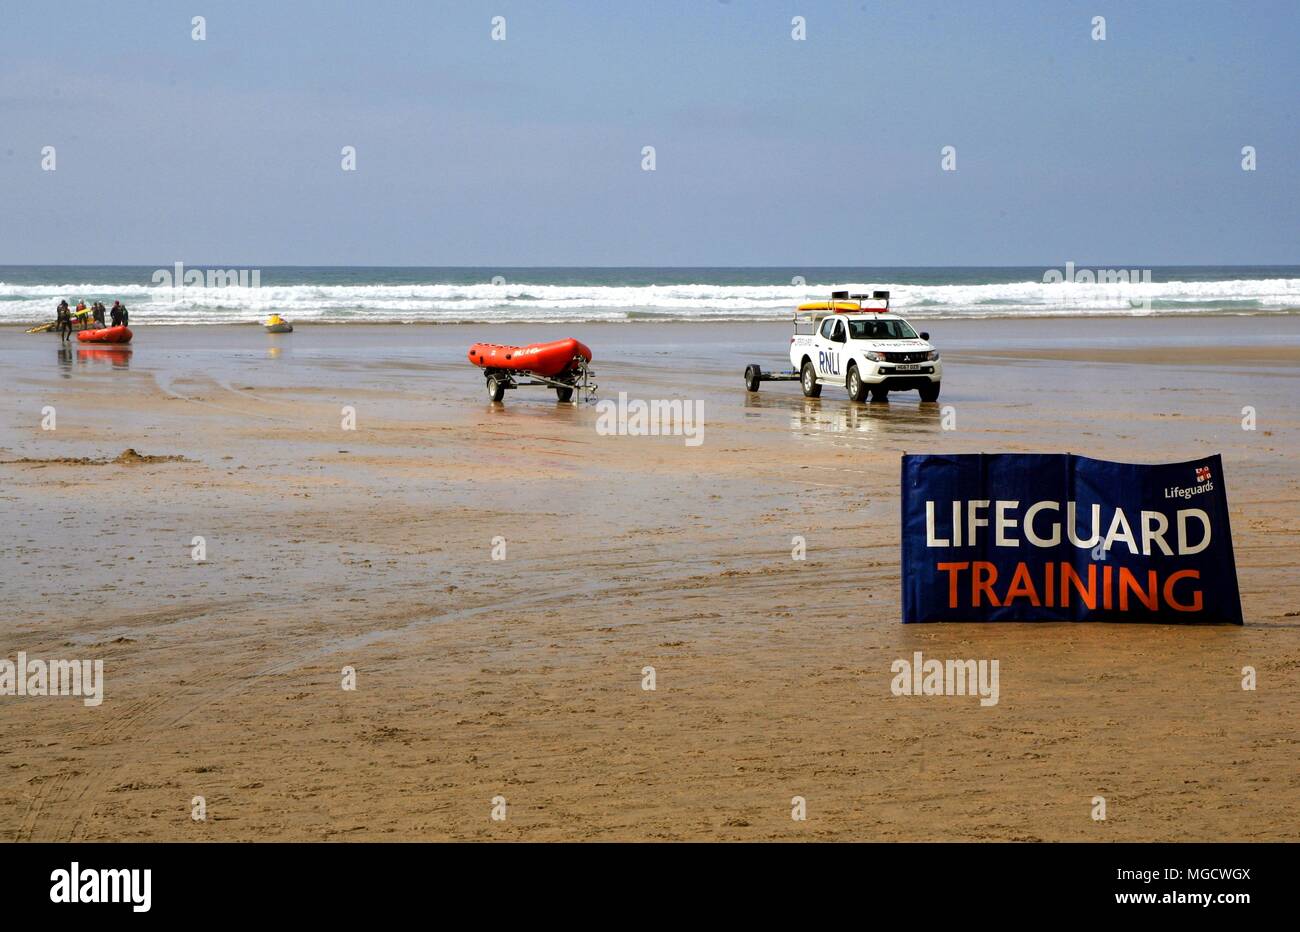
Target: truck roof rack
x: 842, y: 302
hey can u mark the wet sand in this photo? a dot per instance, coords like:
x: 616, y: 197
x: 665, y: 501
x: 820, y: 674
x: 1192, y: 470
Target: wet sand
x: 521, y: 677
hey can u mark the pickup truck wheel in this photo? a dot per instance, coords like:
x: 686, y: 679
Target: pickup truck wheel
x: 856, y: 387
x: 752, y: 380
x: 808, y: 378
x: 879, y: 394
x: 930, y: 392
x: 496, y: 388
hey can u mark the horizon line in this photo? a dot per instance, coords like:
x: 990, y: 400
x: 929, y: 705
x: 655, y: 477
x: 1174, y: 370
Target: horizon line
x: 796, y: 267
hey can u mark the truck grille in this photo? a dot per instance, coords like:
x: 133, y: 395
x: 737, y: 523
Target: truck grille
x: 904, y: 357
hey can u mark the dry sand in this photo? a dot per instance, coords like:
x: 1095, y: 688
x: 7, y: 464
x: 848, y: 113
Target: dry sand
x: 522, y: 677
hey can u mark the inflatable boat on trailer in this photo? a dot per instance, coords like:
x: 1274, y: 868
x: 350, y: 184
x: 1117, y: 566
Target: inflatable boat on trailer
x: 564, y: 365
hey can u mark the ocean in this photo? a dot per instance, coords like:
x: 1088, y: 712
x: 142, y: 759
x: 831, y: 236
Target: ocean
x: 225, y: 295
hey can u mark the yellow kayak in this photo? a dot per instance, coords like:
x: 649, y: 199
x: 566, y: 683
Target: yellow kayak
x: 831, y: 306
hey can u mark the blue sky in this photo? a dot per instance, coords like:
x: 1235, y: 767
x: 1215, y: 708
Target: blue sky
x: 769, y: 151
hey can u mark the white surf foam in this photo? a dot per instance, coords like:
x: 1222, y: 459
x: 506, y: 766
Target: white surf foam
x: 525, y: 302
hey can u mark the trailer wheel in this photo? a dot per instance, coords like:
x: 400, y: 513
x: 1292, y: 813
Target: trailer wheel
x: 496, y: 388
x: 564, y: 394
x: 808, y: 379
x: 753, y: 377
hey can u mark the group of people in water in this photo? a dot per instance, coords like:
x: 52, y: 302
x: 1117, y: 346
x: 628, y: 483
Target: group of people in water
x: 87, y: 315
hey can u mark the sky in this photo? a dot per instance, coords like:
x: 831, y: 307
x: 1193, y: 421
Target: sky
x: 767, y: 150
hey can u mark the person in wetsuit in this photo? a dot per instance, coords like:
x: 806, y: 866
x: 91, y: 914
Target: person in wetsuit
x: 115, y: 312
x: 64, y: 318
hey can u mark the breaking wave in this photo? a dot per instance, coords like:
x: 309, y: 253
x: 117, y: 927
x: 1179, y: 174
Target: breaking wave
x: 531, y: 302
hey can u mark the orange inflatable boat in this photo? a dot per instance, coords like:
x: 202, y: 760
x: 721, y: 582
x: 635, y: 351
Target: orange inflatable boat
x: 119, y: 334
x: 544, y: 359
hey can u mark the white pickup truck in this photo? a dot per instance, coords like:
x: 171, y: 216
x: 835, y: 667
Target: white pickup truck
x: 861, y: 349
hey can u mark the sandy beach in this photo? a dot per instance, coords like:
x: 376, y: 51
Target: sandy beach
x: 522, y: 677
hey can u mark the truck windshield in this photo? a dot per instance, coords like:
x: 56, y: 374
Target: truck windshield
x: 881, y: 330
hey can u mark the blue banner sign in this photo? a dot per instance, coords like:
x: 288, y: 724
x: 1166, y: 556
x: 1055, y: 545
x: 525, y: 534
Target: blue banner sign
x: 1059, y: 537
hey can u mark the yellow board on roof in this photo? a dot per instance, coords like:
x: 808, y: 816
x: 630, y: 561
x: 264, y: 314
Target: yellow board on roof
x: 831, y: 306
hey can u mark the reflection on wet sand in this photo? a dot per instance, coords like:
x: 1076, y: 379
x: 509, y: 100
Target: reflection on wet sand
x: 540, y: 409
x: 818, y: 415
x: 119, y: 357
x: 882, y: 418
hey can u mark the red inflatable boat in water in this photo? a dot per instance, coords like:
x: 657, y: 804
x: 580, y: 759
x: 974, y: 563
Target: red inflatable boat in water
x: 105, y: 335
x: 544, y: 359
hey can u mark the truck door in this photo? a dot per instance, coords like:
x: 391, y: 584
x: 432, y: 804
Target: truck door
x: 830, y: 349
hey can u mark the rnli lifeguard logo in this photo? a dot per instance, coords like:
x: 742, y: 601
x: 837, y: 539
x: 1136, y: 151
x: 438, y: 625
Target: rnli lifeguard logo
x: 1057, y: 537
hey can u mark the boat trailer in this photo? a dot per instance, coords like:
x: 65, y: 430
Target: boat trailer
x: 756, y: 374
x: 575, y: 384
